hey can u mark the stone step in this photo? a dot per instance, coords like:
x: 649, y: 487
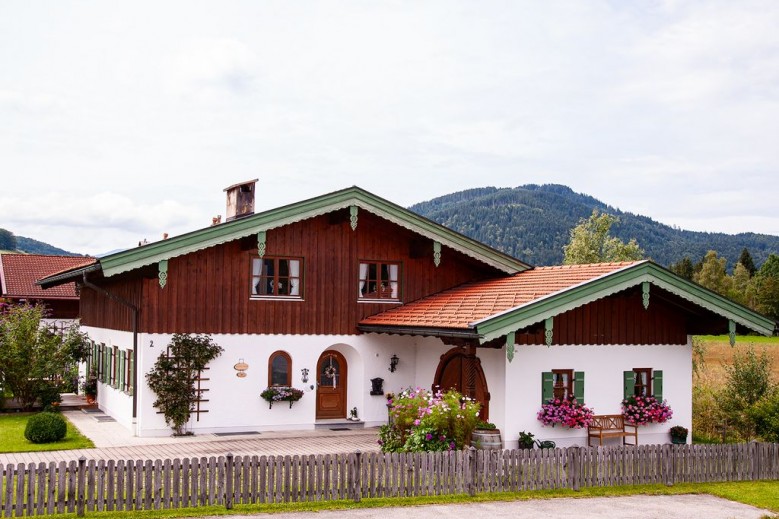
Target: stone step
x: 339, y: 424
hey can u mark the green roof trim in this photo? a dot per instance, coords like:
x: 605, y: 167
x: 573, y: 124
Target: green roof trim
x: 285, y: 215
x: 632, y: 275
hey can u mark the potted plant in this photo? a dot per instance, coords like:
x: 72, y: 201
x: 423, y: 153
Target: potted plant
x: 565, y: 411
x: 643, y: 410
x: 486, y: 435
x: 679, y: 435
x: 281, y: 394
x: 90, y: 387
x: 526, y: 440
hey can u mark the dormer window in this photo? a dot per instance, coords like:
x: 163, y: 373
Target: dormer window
x: 379, y: 281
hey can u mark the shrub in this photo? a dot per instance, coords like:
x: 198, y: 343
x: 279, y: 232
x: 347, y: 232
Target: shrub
x: 45, y: 428
x: 49, y: 397
x: 765, y: 415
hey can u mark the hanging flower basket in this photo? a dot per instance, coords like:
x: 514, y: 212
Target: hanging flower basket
x: 281, y: 394
x: 566, y: 412
x: 643, y: 410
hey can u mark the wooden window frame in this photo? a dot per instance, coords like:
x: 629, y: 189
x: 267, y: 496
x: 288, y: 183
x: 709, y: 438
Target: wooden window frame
x: 114, y: 366
x: 639, y: 388
x: 284, y: 354
x: 562, y: 390
x: 256, y: 279
x: 385, y: 293
x: 129, y: 378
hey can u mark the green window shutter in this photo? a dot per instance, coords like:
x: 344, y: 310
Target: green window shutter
x: 547, y: 386
x: 657, y: 384
x: 121, y: 370
x: 578, y: 386
x: 629, y: 378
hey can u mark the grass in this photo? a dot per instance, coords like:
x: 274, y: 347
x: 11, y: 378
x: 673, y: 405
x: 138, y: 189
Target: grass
x: 761, y: 494
x: 12, y: 436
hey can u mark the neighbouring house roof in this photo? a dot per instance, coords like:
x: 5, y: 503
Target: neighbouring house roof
x: 261, y: 222
x: 19, y: 273
x: 493, y: 308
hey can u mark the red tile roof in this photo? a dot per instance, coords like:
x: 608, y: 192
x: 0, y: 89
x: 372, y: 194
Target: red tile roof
x: 19, y: 272
x: 462, y: 306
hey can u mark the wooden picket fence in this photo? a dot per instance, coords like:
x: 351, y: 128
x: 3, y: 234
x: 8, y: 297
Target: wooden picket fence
x: 95, y: 486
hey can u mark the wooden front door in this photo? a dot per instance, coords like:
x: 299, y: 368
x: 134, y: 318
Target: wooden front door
x: 460, y: 369
x: 331, y: 386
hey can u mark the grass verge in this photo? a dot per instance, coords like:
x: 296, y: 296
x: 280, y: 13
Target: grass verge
x: 12, y: 436
x: 761, y: 494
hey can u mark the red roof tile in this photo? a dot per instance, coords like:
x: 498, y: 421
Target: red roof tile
x: 461, y: 306
x: 19, y: 272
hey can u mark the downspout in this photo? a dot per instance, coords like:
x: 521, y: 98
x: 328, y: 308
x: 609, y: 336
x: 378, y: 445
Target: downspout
x: 134, y: 309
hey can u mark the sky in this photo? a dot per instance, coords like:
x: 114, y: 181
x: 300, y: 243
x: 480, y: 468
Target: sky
x: 121, y: 121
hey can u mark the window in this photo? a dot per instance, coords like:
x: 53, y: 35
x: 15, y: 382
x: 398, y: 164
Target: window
x: 280, y: 369
x: 379, y: 281
x: 643, y: 382
x: 114, y: 366
x: 129, y: 378
x: 562, y: 383
x: 276, y: 277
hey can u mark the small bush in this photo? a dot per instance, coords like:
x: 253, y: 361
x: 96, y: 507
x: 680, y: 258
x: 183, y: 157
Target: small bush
x: 45, y: 428
x: 49, y: 397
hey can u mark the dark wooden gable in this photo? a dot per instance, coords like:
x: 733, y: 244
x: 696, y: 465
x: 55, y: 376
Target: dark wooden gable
x: 208, y: 291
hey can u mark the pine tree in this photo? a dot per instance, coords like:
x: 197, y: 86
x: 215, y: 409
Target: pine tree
x: 746, y: 260
x: 683, y: 268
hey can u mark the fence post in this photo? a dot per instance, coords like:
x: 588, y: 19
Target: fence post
x: 669, y: 463
x: 473, y: 471
x: 80, y: 486
x: 755, y: 460
x: 574, y: 467
x: 357, y: 475
x: 229, y: 482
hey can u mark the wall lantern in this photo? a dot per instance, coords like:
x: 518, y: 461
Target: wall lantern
x: 304, y: 373
x: 393, y: 363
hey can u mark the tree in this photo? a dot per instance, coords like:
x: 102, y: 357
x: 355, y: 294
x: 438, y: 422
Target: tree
x: 770, y: 267
x: 747, y: 382
x: 683, y: 268
x: 713, y: 274
x: 7, y: 240
x: 746, y: 260
x: 32, y: 355
x: 590, y: 242
x: 174, y: 375
x: 740, y: 286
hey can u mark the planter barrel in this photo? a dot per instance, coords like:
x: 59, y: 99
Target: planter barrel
x: 487, y: 439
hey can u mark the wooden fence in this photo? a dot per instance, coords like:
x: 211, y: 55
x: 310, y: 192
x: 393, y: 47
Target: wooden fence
x: 79, y: 486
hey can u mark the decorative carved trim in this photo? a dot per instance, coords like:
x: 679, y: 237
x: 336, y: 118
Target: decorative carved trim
x: 163, y: 273
x: 732, y: 332
x: 510, y: 341
x: 645, y: 294
x: 353, y: 216
x: 436, y: 253
x: 261, y: 237
x: 548, y: 330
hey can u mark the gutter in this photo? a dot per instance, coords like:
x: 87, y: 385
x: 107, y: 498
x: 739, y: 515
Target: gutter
x: 134, y: 309
x: 413, y: 330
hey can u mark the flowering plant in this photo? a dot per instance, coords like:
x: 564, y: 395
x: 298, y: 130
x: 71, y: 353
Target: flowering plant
x: 642, y: 410
x: 425, y: 421
x: 282, y: 394
x: 565, y: 411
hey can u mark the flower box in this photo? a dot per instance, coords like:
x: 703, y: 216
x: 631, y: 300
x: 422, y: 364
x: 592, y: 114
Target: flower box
x: 281, y: 394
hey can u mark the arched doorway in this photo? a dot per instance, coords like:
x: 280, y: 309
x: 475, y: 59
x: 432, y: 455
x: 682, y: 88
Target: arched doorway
x: 460, y: 369
x: 331, y: 385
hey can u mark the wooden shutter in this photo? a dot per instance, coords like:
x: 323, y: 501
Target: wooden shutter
x: 120, y: 370
x: 629, y: 378
x: 578, y: 386
x: 547, y: 386
x: 657, y: 384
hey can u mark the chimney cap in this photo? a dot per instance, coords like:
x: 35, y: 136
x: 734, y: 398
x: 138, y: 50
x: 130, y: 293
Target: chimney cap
x: 239, y: 184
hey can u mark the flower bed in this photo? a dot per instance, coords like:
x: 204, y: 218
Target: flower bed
x: 643, y: 410
x: 282, y: 394
x: 566, y: 412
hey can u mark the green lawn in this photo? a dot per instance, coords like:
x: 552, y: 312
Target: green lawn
x: 12, y: 436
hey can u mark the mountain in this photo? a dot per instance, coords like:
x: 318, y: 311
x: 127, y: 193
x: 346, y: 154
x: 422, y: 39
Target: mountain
x: 533, y: 222
x: 10, y: 242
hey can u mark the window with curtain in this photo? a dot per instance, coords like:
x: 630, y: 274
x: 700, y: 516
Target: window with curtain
x: 277, y: 277
x: 280, y: 369
x: 379, y: 281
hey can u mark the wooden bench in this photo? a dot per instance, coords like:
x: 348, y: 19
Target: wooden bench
x: 611, y: 426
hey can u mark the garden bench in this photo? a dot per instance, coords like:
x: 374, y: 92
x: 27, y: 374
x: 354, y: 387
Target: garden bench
x: 611, y: 426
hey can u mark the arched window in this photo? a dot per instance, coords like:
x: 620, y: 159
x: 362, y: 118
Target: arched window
x: 280, y: 369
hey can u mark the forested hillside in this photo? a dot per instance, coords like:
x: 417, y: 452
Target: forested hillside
x: 12, y: 243
x: 533, y: 222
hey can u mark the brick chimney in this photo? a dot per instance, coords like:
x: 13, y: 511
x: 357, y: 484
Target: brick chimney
x: 240, y: 200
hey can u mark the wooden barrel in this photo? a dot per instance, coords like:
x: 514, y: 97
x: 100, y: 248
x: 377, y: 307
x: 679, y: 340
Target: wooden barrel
x: 487, y: 439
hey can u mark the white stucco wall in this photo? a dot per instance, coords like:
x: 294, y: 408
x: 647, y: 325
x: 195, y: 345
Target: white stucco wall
x: 603, y: 367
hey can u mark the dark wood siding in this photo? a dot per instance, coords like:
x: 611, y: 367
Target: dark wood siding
x: 209, y: 291
x: 99, y: 310
x: 617, y: 319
